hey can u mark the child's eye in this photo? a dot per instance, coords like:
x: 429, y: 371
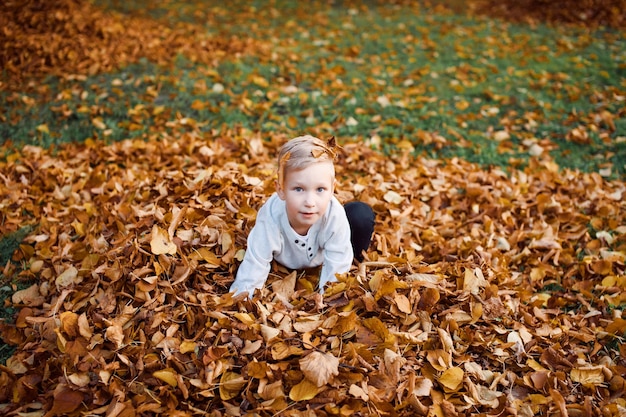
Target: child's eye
x: 321, y: 189
x: 298, y: 189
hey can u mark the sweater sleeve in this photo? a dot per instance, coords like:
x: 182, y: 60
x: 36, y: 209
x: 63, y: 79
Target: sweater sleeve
x: 263, y: 242
x: 337, y: 247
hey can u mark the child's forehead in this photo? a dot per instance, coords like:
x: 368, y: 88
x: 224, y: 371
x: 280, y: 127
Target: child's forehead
x: 323, y: 165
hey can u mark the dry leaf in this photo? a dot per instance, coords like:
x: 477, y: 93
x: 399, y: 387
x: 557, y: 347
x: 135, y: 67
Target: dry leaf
x: 319, y: 367
x: 160, y: 242
x: 303, y: 391
x: 169, y: 376
x: 29, y: 296
x: 452, y: 378
x: 589, y: 376
x: 68, y: 278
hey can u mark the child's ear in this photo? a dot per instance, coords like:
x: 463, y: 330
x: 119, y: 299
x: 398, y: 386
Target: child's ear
x: 279, y: 190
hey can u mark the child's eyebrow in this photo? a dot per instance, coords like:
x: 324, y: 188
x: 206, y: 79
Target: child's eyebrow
x: 316, y: 182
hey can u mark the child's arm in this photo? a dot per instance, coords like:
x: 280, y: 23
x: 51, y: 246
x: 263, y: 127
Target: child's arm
x: 337, y: 247
x: 263, y: 241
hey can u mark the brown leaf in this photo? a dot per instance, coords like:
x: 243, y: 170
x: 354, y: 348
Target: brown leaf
x: 65, y: 402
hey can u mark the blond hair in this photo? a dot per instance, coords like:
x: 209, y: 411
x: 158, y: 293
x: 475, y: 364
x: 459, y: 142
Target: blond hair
x: 303, y: 151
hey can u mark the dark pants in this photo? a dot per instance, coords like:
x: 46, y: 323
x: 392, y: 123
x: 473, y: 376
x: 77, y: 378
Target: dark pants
x: 361, y: 219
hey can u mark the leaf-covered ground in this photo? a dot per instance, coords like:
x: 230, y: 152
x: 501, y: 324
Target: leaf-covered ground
x: 486, y: 291
x: 482, y: 292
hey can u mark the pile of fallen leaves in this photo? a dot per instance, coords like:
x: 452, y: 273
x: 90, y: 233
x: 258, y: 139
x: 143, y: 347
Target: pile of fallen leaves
x: 587, y: 13
x: 484, y: 292
x: 68, y: 37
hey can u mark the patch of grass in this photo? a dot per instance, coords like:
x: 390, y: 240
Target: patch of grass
x: 6, y: 315
x: 9, y: 243
x: 363, y: 71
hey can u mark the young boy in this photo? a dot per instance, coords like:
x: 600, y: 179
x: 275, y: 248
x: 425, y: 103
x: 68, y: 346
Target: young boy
x: 303, y: 225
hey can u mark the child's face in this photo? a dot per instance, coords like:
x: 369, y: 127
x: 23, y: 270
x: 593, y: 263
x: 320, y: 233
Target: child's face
x: 307, y: 193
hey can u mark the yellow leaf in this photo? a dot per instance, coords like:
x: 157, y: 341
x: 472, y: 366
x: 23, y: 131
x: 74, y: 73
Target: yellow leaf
x: 533, y: 364
x: 16, y: 366
x: 319, y: 367
x: 187, y: 346
x: 588, y: 376
x: 98, y: 123
x: 245, y: 318
x: 260, y: 81
x: 207, y: 256
x: 231, y: 385
x: 452, y: 378
x: 425, y: 279
x: 305, y: 390
x: 160, y: 243
x: 247, y: 102
x: 377, y: 327
x: 462, y: 105
x: 501, y: 135
x: 43, y: 128
x: 168, y: 376
x: 538, y: 399
x: 282, y: 350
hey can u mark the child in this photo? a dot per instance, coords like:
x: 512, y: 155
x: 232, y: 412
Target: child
x: 303, y: 225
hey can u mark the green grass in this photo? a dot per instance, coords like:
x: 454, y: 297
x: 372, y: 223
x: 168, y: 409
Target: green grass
x: 440, y: 73
x: 8, y: 244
